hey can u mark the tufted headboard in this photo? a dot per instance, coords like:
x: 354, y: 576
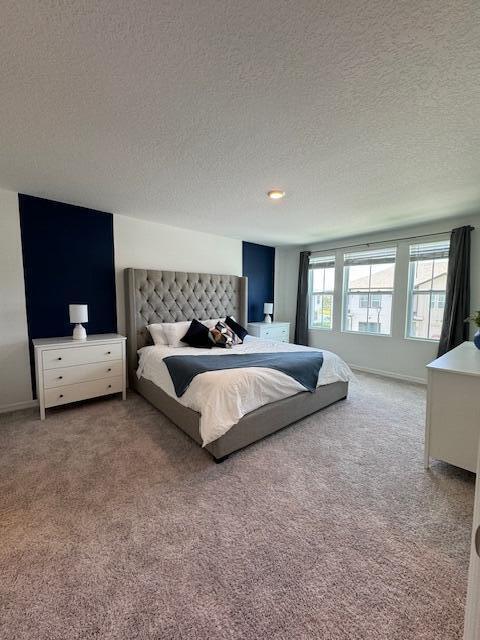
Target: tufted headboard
x: 172, y: 296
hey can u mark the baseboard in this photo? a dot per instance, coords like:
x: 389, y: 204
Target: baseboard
x: 16, y: 406
x: 389, y: 374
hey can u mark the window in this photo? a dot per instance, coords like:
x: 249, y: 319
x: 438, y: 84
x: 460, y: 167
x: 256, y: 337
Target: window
x: 426, y: 289
x: 321, y: 287
x: 368, y: 290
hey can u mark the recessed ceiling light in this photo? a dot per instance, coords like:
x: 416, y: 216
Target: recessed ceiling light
x: 276, y: 194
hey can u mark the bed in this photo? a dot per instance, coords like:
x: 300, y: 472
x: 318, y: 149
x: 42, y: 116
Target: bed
x: 170, y: 296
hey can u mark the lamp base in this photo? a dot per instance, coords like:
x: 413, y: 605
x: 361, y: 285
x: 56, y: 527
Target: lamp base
x: 268, y: 318
x: 79, y: 332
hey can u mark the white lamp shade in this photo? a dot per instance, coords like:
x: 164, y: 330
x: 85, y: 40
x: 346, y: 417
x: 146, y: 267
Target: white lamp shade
x: 268, y: 307
x: 78, y: 313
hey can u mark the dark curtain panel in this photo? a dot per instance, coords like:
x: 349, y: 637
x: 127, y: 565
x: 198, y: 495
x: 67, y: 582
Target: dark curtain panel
x: 301, y: 322
x: 457, y: 300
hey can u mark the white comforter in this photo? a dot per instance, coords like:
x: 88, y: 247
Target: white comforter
x: 223, y: 397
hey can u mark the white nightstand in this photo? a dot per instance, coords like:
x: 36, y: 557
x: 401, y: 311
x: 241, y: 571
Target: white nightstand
x: 68, y: 370
x: 279, y: 331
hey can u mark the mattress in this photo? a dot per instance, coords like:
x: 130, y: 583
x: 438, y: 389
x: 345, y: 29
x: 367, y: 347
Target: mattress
x: 223, y: 397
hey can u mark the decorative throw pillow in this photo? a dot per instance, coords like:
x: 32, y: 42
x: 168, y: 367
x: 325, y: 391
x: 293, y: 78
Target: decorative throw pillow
x: 198, y: 336
x: 223, y: 336
x: 237, y: 329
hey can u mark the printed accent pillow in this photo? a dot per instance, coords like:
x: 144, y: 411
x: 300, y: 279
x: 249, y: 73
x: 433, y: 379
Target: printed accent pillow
x: 223, y: 336
x: 237, y: 329
x: 198, y: 336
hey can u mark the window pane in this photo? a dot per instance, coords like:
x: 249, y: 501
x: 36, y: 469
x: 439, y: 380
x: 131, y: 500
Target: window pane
x: 436, y: 316
x: 419, y: 315
x: 322, y: 284
x: 382, y: 277
x: 368, y: 298
x: 322, y: 305
x: 422, y: 277
x: 437, y: 301
x: 323, y: 280
x: 318, y: 279
x: 368, y: 319
x: 358, y: 278
x: 329, y: 279
x: 440, y: 274
x: 327, y: 308
x: 354, y: 312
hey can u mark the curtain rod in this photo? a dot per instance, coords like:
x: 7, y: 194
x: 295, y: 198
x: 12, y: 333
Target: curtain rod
x: 368, y: 244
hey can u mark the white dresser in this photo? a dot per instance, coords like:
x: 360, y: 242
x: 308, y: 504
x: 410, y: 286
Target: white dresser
x: 452, y: 429
x: 68, y: 370
x: 279, y: 331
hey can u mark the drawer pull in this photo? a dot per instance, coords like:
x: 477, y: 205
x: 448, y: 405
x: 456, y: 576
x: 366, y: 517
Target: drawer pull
x: 108, y: 353
x: 109, y: 386
x: 59, y: 358
x: 60, y: 377
x: 61, y: 395
x: 109, y: 369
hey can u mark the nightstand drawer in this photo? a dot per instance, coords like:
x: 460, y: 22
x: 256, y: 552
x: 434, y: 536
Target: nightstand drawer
x: 81, y: 373
x: 276, y: 333
x: 82, y: 391
x: 56, y: 358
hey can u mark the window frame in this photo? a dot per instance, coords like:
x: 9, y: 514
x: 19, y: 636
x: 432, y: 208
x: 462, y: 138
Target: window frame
x: 329, y: 258
x: 370, y: 293
x: 427, y: 292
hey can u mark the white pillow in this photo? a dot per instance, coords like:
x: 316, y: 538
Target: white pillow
x: 156, y: 331
x: 174, y: 332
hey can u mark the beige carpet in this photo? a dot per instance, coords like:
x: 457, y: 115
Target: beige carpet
x: 115, y: 525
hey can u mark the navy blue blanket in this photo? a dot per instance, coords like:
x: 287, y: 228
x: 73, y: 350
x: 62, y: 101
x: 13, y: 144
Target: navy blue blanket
x: 302, y: 366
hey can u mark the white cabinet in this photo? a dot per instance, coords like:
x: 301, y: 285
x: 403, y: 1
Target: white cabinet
x: 452, y: 430
x: 278, y: 331
x: 69, y: 370
x: 472, y: 609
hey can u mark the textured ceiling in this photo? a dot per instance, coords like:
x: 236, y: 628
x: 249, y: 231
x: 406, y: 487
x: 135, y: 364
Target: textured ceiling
x: 366, y: 113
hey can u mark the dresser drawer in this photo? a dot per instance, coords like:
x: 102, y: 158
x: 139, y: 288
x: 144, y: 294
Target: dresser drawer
x: 56, y: 358
x: 81, y: 373
x: 82, y: 391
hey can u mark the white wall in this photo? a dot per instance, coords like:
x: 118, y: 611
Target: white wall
x: 15, y: 381
x: 391, y: 355
x: 148, y: 245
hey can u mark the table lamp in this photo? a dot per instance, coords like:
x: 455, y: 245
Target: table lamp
x: 267, y: 310
x: 78, y: 314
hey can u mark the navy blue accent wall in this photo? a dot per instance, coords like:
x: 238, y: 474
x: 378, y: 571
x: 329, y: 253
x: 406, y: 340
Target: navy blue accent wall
x: 259, y: 266
x: 68, y: 258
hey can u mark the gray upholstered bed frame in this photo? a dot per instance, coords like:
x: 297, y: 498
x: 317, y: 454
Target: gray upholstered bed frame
x: 171, y: 296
